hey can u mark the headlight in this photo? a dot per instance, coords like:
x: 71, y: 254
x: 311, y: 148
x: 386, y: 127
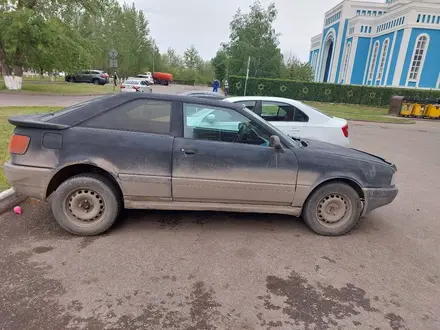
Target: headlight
x: 393, y: 179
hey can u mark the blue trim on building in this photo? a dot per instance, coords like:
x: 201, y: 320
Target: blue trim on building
x: 393, y: 62
x: 381, y: 40
x: 341, y: 52
x: 360, y: 59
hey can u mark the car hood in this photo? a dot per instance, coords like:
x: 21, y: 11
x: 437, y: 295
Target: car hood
x: 324, y: 147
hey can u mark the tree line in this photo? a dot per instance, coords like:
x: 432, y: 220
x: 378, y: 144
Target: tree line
x: 70, y: 35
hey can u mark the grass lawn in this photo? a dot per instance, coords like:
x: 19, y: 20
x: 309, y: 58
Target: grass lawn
x: 358, y: 112
x: 60, y: 88
x: 6, y: 131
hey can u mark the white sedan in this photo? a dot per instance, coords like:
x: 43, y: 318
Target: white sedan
x: 297, y: 119
x: 133, y: 85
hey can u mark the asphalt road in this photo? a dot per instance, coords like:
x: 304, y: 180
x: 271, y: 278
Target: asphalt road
x: 23, y: 99
x: 207, y: 270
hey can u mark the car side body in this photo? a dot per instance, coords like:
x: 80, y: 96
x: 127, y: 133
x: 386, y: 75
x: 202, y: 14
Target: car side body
x: 145, y: 147
x: 297, y: 119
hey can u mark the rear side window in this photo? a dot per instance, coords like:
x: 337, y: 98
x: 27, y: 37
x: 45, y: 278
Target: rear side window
x: 146, y: 116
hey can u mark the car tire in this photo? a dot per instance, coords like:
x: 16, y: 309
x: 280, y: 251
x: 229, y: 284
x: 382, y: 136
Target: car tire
x: 95, y: 81
x: 86, y: 204
x: 333, y: 209
x: 71, y: 79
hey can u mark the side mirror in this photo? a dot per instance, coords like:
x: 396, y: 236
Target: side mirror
x: 211, y: 118
x: 275, y: 142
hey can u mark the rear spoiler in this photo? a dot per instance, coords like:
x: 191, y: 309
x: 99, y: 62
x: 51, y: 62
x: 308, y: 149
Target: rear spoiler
x: 35, y: 121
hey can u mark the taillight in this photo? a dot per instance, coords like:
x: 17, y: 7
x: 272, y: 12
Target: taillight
x: 19, y: 144
x: 122, y: 86
x: 345, y: 130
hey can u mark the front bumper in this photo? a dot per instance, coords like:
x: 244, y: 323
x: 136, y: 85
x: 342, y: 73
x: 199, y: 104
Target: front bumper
x: 377, y: 197
x: 28, y: 181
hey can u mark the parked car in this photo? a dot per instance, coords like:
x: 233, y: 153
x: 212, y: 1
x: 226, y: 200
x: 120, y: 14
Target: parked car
x: 136, y: 85
x: 158, y: 151
x: 147, y: 76
x: 96, y: 77
x: 297, y: 119
x: 204, y: 94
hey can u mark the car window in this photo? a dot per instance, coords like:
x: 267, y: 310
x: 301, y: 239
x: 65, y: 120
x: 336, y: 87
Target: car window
x: 86, y: 72
x: 221, y: 124
x: 280, y: 111
x: 147, y: 116
x: 95, y: 72
x: 248, y: 104
x: 300, y: 116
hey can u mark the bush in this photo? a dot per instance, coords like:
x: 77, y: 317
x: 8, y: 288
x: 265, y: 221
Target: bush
x: 323, y: 92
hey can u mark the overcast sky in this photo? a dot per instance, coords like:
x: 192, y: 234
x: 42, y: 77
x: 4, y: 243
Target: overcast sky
x: 205, y: 24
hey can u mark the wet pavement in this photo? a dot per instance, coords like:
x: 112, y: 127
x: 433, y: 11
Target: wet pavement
x: 207, y: 270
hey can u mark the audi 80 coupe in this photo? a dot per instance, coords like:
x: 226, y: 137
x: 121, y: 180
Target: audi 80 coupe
x: 170, y: 152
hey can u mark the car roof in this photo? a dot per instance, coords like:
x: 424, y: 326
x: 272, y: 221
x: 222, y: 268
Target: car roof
x: 81, y: 111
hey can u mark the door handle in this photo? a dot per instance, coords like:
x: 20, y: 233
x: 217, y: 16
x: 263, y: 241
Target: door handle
x: 189, y: 151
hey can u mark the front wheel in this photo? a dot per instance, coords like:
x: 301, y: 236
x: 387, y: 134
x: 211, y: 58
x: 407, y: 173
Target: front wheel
x: 86, y: 204
x: 333, y: 209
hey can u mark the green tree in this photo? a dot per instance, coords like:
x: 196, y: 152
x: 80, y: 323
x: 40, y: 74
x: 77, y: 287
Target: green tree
x: 253, y: 35
x: 294, y: 69
x: 220, y: 64
x: 192, y: 58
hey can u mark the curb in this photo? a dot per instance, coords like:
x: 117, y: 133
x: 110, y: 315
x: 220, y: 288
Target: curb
x: 9, y: 198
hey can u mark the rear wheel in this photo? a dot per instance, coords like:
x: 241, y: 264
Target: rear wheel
x: 86, y: 204
x: 95, y: 81
x: 332, y: 209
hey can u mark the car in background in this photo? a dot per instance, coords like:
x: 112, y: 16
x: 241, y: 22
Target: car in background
x: 147, y: 76
x: 297, y: 119
x: 162, y: 78
x: 133, y: 85
x: 96, y: 77
x: 171, y: 152
x: 204, y: 94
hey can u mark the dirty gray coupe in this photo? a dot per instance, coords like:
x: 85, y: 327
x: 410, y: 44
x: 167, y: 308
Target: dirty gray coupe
x: 168, y: 152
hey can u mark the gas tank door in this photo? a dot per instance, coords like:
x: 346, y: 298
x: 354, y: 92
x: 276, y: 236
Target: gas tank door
x: 52, y: 140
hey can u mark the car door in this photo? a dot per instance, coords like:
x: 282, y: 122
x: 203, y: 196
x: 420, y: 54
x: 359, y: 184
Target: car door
x: 284, y: 116
x: 218, y: 160
x: 84, y: 76
x: 135, y: 140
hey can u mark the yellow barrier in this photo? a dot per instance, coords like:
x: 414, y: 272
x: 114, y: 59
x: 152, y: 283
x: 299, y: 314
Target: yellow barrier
x: 406, y: 109
x: 417, y: 110
x: 432, y: 111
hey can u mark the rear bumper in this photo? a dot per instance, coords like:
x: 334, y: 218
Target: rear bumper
x: 377, y: 197
x: 28, y: 181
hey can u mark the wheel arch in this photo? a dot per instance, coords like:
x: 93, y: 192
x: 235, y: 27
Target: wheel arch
x: 75, y: 169
x: 348, y: 181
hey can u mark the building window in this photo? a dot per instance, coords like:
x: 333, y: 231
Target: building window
x: 433, y: 19
x: 418, y: 57
x: 380, y: 13
x: 369, y: 13
x: 429, y: 18
x: 362, y: 28
x: 373, y: 60
x: 383, y: 58
x: 369, y: 29
x: 423, y: 18
x: 374, y: 13
x: 363, y: 12
x: 358, y: 12
x: 438, y: 19
x: 345, y: 62
x: 418, y: 18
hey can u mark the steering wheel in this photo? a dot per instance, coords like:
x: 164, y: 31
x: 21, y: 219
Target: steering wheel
x: 243, y: 130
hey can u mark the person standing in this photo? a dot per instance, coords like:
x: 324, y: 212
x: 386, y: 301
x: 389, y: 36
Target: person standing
x: 226, y: 87
x: 215, y: 85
